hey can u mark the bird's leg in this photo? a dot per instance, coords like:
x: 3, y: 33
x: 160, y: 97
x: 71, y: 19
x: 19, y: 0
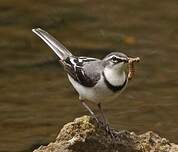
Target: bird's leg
x: 106, y: 124
x: 91, y: 112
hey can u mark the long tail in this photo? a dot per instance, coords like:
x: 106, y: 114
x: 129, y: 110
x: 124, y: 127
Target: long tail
x: 55, y: 45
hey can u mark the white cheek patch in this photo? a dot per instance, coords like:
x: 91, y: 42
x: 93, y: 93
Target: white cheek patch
x: 118, y: 66
x: 115, y: 75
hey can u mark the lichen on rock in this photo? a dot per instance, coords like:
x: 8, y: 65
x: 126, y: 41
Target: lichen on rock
x: 84, y: 135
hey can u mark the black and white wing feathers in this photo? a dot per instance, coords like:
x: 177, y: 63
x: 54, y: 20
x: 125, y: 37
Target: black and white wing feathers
x: 76, y: 68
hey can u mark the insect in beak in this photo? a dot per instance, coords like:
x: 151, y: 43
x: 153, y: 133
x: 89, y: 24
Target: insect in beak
x: 131, y: 67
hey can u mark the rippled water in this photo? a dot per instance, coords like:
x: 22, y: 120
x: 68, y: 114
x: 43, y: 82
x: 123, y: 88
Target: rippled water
x: 36, y: 98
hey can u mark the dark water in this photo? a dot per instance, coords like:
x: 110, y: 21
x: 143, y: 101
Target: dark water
x: 36, y: 99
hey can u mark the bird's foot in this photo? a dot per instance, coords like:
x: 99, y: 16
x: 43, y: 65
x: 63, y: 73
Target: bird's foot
x: 109, y: 131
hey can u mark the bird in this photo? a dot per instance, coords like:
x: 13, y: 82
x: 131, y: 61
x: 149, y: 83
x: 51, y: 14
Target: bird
x: 95, y: 80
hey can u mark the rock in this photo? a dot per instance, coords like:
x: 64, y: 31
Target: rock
x: 83, y: 135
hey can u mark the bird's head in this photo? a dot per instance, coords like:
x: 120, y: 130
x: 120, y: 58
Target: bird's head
x: 116, y: 61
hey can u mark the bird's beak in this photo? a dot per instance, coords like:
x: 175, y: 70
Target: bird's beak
x: 126, y: 60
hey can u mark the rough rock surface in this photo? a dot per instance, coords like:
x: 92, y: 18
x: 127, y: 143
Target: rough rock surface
x: 83, y: 135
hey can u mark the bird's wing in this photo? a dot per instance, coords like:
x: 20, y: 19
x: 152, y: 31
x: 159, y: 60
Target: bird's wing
x: 79, y: 69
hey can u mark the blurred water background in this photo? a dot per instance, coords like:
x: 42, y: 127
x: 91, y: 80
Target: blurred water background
x: 36, y: 98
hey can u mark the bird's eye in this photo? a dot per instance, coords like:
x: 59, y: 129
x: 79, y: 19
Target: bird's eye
x: 114, y: 59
